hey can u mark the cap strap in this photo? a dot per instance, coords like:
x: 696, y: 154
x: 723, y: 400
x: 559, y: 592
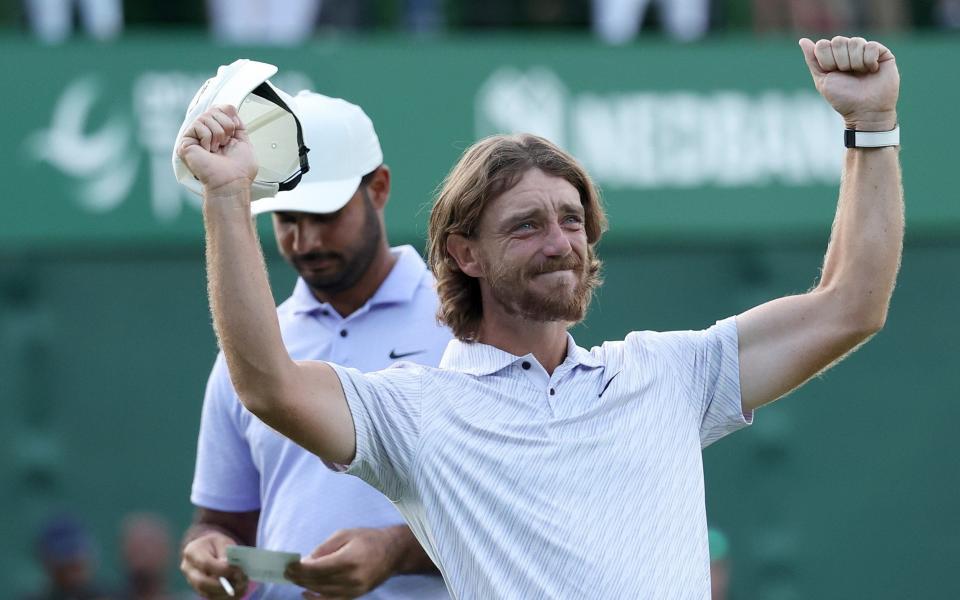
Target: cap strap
x: 264, y: 90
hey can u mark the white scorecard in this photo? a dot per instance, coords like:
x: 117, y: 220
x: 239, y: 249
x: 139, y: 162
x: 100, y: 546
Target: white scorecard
x: 261, y: 565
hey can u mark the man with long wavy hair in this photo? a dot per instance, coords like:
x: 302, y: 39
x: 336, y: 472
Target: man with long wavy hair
x: 529, y: 467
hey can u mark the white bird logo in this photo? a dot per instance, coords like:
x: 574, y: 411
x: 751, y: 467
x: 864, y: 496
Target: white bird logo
x: 511, y: 101
x: 103, y: 158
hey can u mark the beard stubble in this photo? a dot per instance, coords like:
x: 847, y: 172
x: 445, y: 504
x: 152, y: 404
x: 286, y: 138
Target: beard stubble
x: 511, y: 288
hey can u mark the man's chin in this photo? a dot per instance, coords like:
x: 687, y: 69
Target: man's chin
x: 557, y: 305
x: 557, y: 296
x: 326, y: 284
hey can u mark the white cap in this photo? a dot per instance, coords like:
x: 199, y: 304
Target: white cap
x: 274, y: 129
x: 343, y: 148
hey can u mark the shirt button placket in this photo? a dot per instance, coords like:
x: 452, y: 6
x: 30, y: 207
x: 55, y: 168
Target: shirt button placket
x: 340, y: 353
x: 550, y: 396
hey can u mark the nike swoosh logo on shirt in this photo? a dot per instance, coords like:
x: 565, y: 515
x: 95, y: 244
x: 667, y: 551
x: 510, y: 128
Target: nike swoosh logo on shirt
x: 609, y: 381
x: 395, y: 355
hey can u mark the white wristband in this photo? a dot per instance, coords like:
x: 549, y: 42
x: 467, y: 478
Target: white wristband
x: 871, y: 139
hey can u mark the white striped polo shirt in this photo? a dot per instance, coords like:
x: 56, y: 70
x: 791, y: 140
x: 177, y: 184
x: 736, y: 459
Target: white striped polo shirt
x: 587, y: 483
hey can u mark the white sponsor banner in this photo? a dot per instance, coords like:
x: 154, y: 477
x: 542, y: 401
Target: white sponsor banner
x: 675, y: 139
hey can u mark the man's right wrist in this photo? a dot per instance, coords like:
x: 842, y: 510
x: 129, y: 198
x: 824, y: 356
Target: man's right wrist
x: 227, y: 209
x: 229, y: 194
x: 872, y: 121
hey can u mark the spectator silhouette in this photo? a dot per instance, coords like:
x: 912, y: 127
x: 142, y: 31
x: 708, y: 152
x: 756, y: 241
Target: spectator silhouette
x: 66, y: 551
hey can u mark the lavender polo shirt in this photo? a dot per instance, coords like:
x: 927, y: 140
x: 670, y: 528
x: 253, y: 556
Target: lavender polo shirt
x: 244, y: 465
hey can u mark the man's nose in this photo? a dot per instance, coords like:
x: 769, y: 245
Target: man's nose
x: 556, y: 243
x: 307, y: 237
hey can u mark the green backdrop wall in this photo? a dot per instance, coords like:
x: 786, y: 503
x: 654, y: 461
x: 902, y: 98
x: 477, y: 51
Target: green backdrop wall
x: 721, y: 140
x: 847, y: 489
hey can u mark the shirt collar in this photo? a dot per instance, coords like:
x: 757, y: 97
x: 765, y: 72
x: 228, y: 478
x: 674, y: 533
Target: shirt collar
x: 479, y: 359
x: 400, y: 285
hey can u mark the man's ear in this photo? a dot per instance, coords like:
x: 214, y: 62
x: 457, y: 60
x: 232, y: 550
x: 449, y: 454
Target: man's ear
x: 379, y: 187
x: 464, y: 254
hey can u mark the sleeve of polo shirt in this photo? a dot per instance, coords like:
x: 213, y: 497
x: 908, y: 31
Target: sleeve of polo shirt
x: 385, y: 407
x: 717, y: 382
x: 706, y: 365
x: 225, y: 477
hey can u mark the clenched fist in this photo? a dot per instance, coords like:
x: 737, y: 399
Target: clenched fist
x: 217, y: 150
x: 858, y: 78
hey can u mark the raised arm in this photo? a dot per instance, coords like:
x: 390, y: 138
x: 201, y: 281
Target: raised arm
x: 301, y: 400
x: 786, y: 342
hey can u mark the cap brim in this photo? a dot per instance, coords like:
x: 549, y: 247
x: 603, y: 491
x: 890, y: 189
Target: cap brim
x: 320, y: 197
x: 241, y: 81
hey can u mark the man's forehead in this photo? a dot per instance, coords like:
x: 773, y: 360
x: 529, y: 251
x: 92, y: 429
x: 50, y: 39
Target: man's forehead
x: 538, y: 181
x: 538, y: 192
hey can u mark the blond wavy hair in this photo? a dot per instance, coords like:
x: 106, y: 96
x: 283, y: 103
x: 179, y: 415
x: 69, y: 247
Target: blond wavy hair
x: 487, y: 169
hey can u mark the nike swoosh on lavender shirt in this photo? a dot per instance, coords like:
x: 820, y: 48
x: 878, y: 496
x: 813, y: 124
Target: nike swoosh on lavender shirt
x: 394, y: 355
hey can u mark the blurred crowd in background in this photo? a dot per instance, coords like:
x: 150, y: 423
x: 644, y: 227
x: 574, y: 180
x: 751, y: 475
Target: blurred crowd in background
x: 70, y: 556
x: 290, y: 22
